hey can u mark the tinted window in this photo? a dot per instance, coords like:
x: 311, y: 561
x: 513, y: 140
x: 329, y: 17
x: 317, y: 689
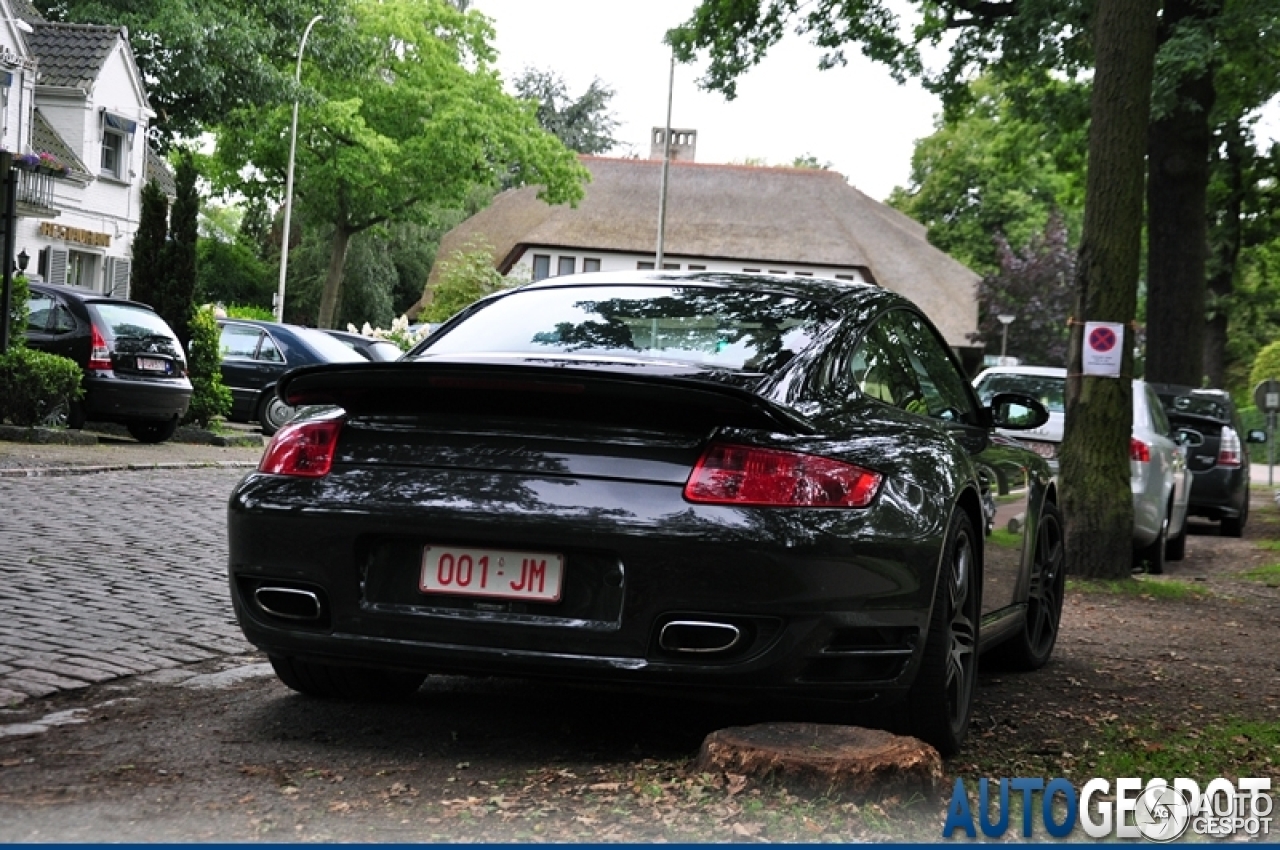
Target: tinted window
x: 879, y: 370
x: 39, y: 312
x: 1049, y: 390
x: 749, y: 330
x: 268, y: 351
x: 239, y: 342
x: 1159, y: 421
x: 945, y: 391
x: 63, y: 321
x: 135, y: 329
x: 1196, y: 405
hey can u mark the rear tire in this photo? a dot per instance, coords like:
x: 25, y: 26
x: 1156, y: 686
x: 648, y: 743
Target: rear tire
x: 1234, y: 526
x: 151, y: 431
x: 329, y: 681
x: 1032, y: 647
x: 274, y: 413
x: 1153, y: 554
x: 941, y: 698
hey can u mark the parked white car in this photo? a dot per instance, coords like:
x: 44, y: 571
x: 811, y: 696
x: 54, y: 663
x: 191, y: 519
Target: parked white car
x: 1158, y: 472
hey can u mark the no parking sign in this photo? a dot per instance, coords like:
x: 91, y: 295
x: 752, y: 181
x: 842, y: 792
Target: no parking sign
x: 1103, y: 348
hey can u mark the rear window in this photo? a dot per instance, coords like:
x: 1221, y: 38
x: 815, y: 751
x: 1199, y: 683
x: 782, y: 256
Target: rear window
x: 1051, y: 391
x: 1193, y: 405
x: 329, y: 349
x: 135, y: 329
x: 742, y: 330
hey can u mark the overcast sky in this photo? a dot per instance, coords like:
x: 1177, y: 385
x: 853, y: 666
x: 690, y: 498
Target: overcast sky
x: 856, y: 118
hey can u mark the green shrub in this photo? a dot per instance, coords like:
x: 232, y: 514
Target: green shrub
x: 34, y: 383
x: 210, y: 398
x: 1266, y: 365
x: 19, y: 307
x: 249, y: 311
x: 465, y: 277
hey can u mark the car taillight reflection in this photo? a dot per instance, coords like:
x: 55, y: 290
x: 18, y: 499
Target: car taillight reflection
x: 302, y: 449
x: 746, y: 475
x: 1139, y: 451
x: 100, y: 353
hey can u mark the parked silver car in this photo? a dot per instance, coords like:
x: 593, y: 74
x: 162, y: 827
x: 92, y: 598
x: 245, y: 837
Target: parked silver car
x: 1158, y: 471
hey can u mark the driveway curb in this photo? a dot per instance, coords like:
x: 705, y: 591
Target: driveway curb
x: 60, y: 471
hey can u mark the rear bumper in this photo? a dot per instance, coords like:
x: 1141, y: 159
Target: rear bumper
x: 119, y: 398
x: 1219, y: 493
x: 824, y: 610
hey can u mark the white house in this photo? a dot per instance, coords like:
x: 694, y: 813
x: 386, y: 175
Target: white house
x: 81, y: 100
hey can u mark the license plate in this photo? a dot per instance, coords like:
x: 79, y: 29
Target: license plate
x: 150, y: 364
x: 1046, y: 450
x: 499, y: 573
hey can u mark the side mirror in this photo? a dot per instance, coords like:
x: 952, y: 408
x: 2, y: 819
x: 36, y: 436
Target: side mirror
x: 1256, y: 436
x: 1017, y: 412
x: 1188, y: 437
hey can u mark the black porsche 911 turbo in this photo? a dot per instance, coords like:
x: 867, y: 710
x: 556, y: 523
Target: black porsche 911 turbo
x: 770, y: 485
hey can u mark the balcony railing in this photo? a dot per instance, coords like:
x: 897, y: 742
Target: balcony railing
x: 35, y: 189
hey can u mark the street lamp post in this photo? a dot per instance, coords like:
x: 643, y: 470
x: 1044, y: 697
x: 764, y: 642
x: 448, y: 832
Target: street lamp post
x: 1005, y: 320
x: 288, y: 184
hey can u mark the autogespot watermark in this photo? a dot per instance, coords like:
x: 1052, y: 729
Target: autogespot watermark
x: 1157, y: 810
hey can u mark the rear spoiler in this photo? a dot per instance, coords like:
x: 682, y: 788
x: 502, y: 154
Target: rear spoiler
x: 541, y: 390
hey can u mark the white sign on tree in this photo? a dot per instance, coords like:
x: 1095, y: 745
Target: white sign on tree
x: 1103, y: 348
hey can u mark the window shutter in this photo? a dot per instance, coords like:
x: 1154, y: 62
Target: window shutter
x: 120, y: 277
x: 58, y: 266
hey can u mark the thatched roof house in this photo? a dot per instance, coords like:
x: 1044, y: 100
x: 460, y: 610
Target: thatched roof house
x: 724, y: 218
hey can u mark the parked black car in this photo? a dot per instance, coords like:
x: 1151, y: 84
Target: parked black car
x: 370, y: 348
x: 1218, y: 461
x: 135, y: 372
x: 256, y: 353
x: 733, y: 483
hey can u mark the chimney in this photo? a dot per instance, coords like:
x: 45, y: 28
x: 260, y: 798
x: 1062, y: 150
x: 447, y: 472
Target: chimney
x: 684, y: 144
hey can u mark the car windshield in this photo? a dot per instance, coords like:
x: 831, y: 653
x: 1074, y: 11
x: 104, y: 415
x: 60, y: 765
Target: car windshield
x: 1193, y: 405
x: 136, y: 329
x: 328, y: 348
x: 751, y: 331
x: 1050, y: 390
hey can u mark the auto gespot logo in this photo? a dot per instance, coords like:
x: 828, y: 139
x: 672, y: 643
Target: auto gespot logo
x: 1126, y: 807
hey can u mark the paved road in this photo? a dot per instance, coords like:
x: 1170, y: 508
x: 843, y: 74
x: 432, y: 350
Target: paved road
x: 110, y: 575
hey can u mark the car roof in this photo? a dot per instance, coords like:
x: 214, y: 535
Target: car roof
x: 81, y: 293
x: 1039, y: 371
x: 822, y: 289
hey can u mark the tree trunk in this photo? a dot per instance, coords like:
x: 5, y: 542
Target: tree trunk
x: 1225, y: 234
x: 1097, y: 501
x: 1177, y: 231
x: 333, y: 280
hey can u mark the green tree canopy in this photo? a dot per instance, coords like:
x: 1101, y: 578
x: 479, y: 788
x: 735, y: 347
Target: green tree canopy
x: 584, y: 124
x: 418, y: 122
x: 1001, y: 165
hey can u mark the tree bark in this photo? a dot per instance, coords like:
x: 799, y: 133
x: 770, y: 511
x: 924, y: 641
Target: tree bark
x: 1225, y: 237
x: 1177, y: 230
x: 1097, y: 501
x: 333, y: 280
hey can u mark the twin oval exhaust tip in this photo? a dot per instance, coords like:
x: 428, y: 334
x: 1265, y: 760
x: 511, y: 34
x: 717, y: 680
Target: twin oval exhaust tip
x: 288, y: 602
x: 698, y: 637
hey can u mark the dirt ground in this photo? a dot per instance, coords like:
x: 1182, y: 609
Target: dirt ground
x: 200, y: 754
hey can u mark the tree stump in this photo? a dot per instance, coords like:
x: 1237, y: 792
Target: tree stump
x: 844, y: 761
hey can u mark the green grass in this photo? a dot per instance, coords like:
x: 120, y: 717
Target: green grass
x: 1229, y: 748
x: 1268, y: 573
x: 1005, y: 539
x: 1269, y: 545
x: 1153, y: 588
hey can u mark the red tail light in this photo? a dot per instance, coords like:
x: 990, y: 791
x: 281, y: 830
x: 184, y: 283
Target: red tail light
x: 302, y: 449
x: 746, y: 475
x: 100, y: 354
x: 1229, y: 448
x: 1139, y: 451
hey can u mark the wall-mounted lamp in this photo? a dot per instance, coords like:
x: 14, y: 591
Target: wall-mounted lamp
x: 23, y: 259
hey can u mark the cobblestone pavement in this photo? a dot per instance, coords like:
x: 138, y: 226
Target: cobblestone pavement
x: 113, y: 574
